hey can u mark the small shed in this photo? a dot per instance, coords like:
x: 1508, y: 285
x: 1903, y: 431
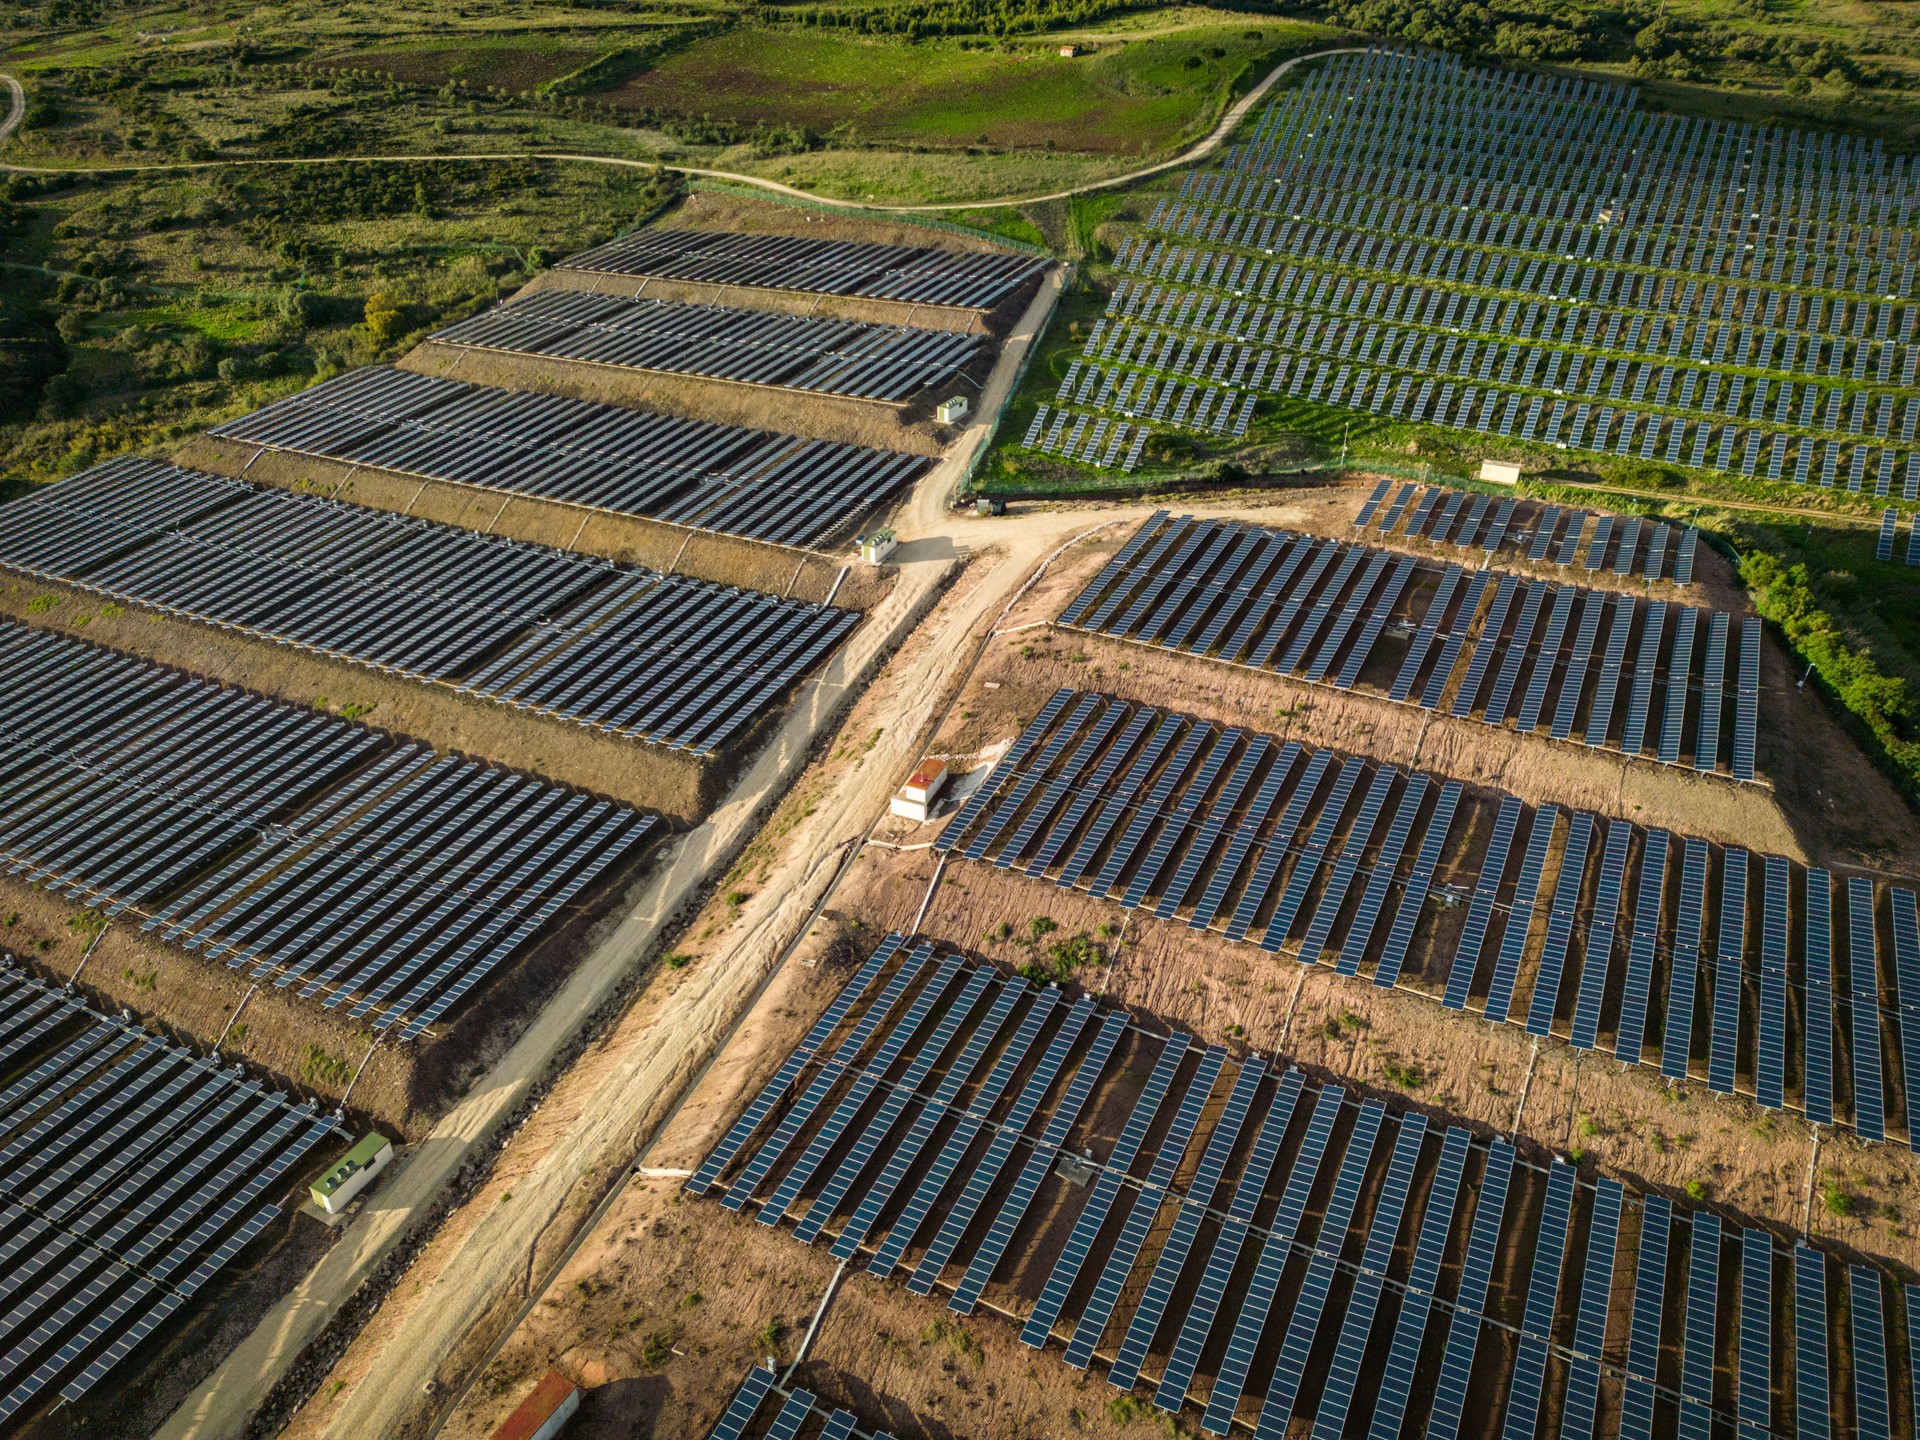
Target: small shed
x: 953, y: 410
x: 875, y: 548
x: 1499, y: 472
x: 989, y: 505
x: 1067, y: 52
x: 333, y: 1191
x: 544, y: 1413
x: 915, y: 799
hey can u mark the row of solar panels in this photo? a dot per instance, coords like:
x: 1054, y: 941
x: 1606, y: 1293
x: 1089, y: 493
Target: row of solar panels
x: 131, y: 1172
x: 1694, y: 172
x: 1335, y: 859
x: 891, y: 363
x: 1475, y: 641
x: 372, y: 873
x: 1443, y: 245
x: 793, y: 1417
x: 1889, y: 526
x: 1630, y: 330
x: 1094, y: 440
x: 1337, y: 1311
x: 655, y: 657
x: 1129, y: 383
x: 916, y: 274
x: 1543, y: 533
x: 1642, y: 166
x: 1500, y: 215
x: 600, y: 457
x: 1177, y: 338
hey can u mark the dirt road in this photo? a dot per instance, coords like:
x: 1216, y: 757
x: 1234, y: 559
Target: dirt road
x: 1200, y: 151
x: 499, y: 1252
x: 17, y: 111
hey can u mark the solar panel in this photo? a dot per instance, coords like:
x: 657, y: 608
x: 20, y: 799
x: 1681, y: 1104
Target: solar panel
x: 1813, y: 1401
x: 1093, y: 1215
x: 1463, y: 1335
x: 1543, y: 1295
x: 1349, y: 1351
x: 1590, y: 1322
x: 1346, y: 866
x: 1310, y: 1303
x: 831, y: 356
x: 745, y: 1403
x: 1728, y: 971
x: 1649, y: 1303
x: 1600, y: 715
x: 987, y: 1168
x: 868, y: 1208
x: 1697, y: 1349
x: 1598, y: 960
x: 597, y: 458
x: 1466, y: 955
x: 1817, y: 1040
x: 1754, y: 1377
x: 1889, y: 518
x: 1562, y: 915
x: 1275, y: 1248
x: 794, y: 1412
x: 1906, y: 965
x: 1416, y: 1303
x: 1683, y: 558
x: 1519, y: 922
x: 1872, y: 1409
x: 1863, y: 1010
x: 926, y: 1054
x: 1373, y: 501
x: 1713, y: 678
x: 881, y: 1063
x: 1013, y: 1209
x: 1770, y: 1058
x: 1158, y: 1295
x: 849, y: 1050
x: 1144, y: 1208
x: 1232, y: 1237
x: 791, y: 1068
x: 1746, y: 712
x: 1640, y: 696
x: 1683, y: 979
x: 1679, y: 671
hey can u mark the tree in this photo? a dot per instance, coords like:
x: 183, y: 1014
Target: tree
x: 386, y: 321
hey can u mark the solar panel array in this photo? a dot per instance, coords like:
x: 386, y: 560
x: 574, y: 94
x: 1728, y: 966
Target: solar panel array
x: 754, y: 483
x: 1275, y: 1250
x: 678, y: 662
x: 132, y: 1171
x: 1508, y: 649
x: 1412, y: 236
x: 763, y: 1409
x: 864, y: 361
x: 921, y: 275
x: 373, y: 873
x: 1593, y: 930
x: 1485, y: 526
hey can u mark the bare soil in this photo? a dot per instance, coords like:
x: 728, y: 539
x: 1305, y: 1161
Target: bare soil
x: 703, y: 555
x: 679, y: 786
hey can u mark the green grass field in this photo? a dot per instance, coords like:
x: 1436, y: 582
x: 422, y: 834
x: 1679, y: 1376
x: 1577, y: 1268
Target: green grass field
x: 1129, y: 96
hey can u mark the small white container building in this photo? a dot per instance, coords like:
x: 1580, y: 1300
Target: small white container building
x: 916, y: 798
x: 875, y: 548
x: 335, y: 1190
x: 1499, y: 472
x: 953, y: 411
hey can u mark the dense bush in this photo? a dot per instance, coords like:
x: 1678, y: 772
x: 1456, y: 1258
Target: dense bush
x: 1881, y: 702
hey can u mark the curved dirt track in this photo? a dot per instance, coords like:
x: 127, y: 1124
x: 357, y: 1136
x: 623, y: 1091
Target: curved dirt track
x: 1235, y: 114
x: 17, y: 111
